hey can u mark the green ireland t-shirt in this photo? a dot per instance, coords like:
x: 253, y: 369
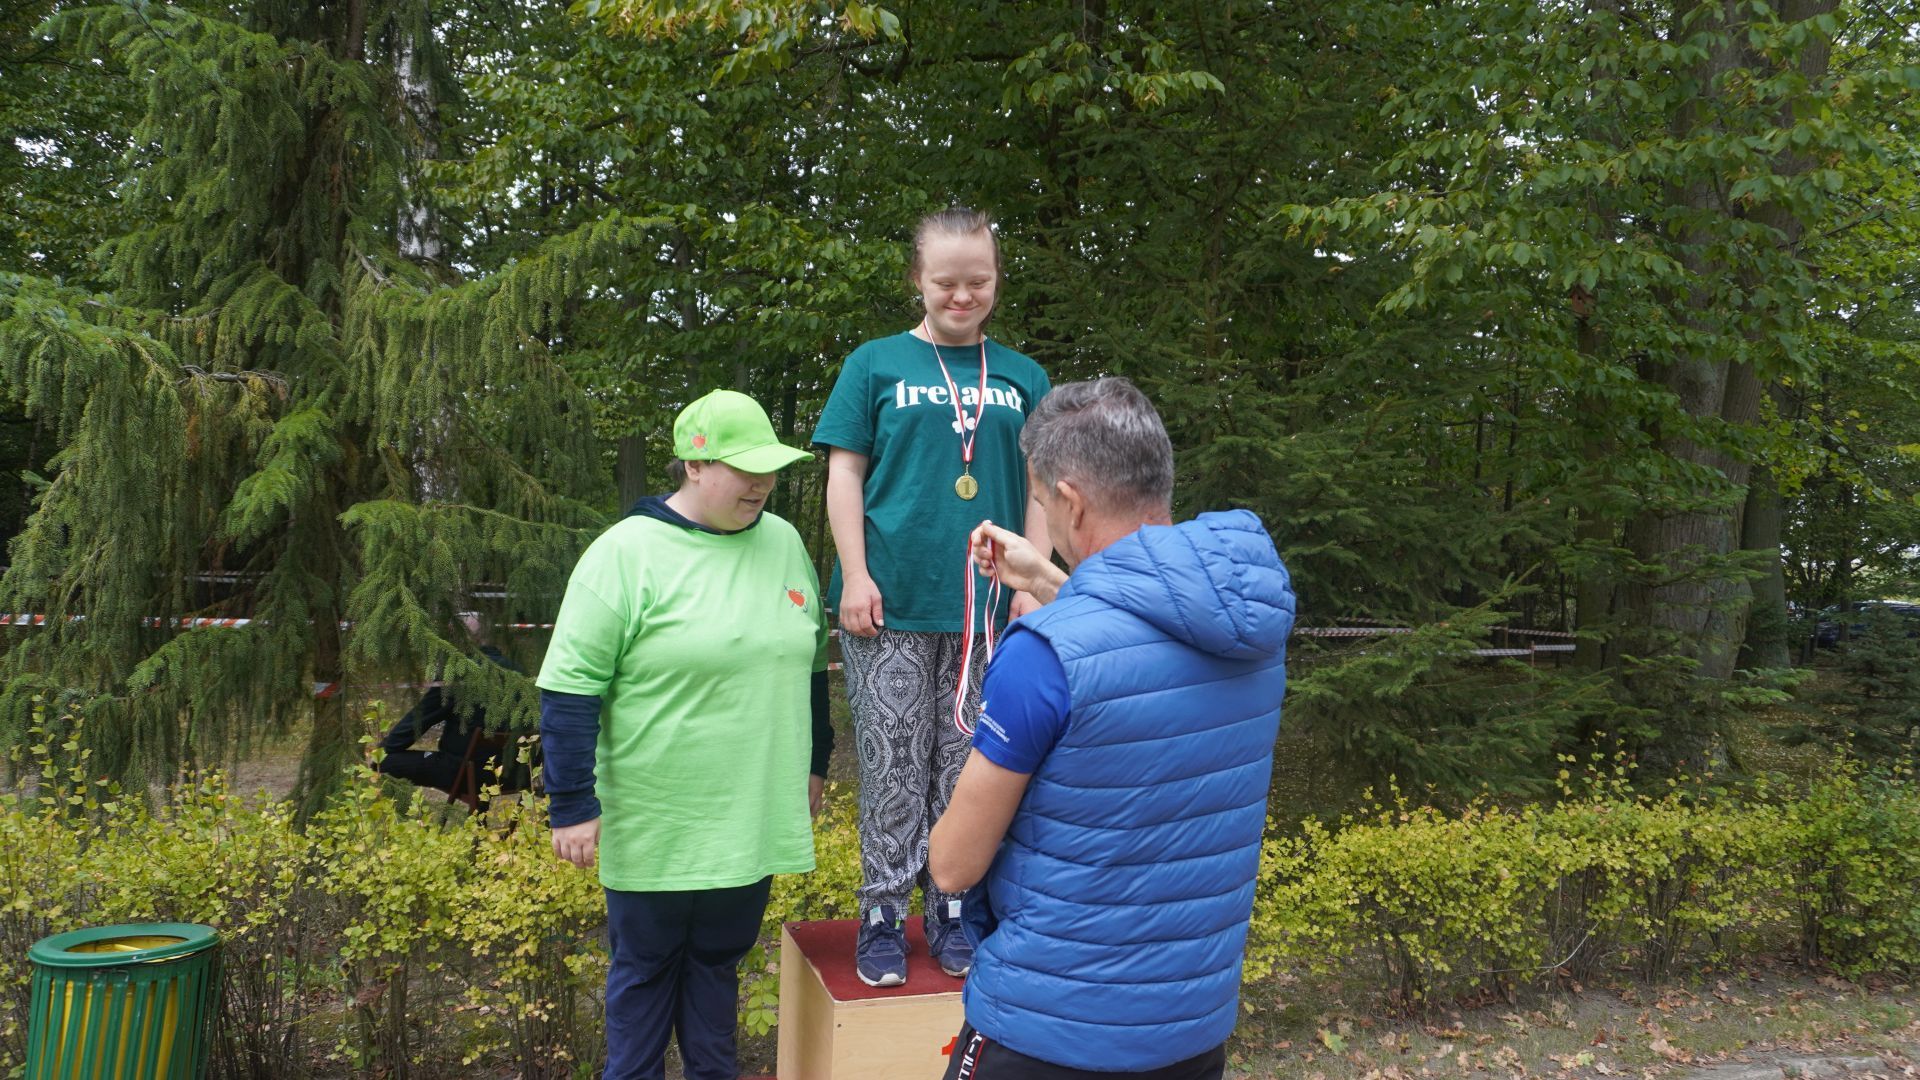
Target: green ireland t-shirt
x: 892, y: 404
x: 701, y: 648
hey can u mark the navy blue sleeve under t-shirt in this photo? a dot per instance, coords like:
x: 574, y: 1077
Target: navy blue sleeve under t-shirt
x: 570, y: 723
x: 1023, y: 704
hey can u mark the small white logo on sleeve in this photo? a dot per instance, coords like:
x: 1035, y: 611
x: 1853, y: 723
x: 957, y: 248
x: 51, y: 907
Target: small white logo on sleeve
x: 987, y: 722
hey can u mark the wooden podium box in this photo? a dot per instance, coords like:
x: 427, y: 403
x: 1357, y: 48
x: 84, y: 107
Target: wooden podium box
x: 835, y: 1027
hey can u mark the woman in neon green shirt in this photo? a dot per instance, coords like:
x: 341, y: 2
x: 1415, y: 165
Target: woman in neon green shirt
x: 682, y: 707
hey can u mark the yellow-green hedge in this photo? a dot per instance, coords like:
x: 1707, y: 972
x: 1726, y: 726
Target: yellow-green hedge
x: 383, y: 938
x: 1438, y: 904
x: 386, y: 931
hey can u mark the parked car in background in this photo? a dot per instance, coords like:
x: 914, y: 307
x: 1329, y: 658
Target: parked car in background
x: 1837, y: 624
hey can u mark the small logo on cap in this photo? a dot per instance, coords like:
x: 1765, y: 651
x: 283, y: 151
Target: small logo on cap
x: 699, y: 442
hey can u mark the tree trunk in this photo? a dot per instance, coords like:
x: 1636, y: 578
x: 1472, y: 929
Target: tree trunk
x: 1691, y: 603
x: 1597, y: 527
x: 1765, y: 631
x: 630, y: 470
x: 787, y: 488
x: 418, y: 228
x: 334, y: 734
x: 1766, y: 644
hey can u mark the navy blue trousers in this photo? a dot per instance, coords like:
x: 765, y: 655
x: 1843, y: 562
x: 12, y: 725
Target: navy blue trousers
x: 675, y: 971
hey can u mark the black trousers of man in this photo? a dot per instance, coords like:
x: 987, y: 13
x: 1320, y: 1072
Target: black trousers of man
x: 426, y: 768
x: 975, y: 1057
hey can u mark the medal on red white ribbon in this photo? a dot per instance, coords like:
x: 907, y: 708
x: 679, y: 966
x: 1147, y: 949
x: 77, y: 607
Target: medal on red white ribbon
x: 966, y: 639
x: 968, y: 427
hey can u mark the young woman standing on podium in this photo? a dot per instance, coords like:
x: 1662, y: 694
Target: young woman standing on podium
x: 923, y: 437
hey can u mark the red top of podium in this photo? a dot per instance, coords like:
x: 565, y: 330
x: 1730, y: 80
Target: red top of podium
x: 828, y: 946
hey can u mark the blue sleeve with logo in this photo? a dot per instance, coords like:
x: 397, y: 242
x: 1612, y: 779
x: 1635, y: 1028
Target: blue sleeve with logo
x: 1023, y: 704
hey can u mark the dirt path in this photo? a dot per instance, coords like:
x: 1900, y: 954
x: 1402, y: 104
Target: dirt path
x: 1888, y: 1064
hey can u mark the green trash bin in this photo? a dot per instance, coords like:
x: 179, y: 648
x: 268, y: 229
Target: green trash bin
x: 123, y: 1003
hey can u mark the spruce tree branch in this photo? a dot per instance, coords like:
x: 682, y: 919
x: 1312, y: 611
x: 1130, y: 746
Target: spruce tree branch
x: 490, y: 514
x: 45, y: 58
x: 530, y: 488
x: 139, y: 11
x: 373, y: 270
x: 206, y: 316
x: 272, y: 378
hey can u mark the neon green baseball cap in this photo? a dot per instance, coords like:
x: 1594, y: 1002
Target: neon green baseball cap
x: 733, y: 428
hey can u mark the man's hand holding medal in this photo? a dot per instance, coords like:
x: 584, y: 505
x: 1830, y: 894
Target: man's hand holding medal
x: 1008, y: 558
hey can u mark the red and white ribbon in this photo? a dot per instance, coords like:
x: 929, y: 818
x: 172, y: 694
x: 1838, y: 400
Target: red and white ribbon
x: 966, y: 638
x: 969, y: 428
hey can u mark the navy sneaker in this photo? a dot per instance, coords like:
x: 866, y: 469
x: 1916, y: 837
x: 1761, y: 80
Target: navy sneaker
x: 880, y: 955
x: 947, y: 940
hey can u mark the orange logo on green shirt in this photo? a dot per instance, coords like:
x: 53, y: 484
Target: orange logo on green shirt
x: 799, y: 598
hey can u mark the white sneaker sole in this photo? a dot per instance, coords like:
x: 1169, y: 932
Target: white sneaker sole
x: 884, y: 980
x: 961, y: 974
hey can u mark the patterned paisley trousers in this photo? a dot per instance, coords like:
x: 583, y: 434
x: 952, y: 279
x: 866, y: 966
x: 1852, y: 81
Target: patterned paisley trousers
x: 900, y: 686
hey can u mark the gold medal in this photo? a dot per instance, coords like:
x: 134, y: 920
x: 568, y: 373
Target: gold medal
x: 967, y: 427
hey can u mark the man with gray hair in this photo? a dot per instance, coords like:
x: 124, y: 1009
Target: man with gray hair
x: 1109, y: 817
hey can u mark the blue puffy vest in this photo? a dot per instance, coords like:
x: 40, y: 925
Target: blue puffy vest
x: 1123, y: 888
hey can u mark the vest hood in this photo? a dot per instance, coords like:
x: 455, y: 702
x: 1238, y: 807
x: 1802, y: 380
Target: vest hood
x: 1215, y: 583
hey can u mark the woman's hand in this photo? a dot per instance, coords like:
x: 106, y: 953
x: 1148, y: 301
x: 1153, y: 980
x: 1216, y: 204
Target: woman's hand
x: 577, y: 844
x: 816, y: 794
x: 860, y: 610
x: 1022, y: 603
x: 1017, y: 564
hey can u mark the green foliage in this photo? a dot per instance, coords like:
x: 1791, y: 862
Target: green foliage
x: 275, y: 401
x: 1651, y: 211
x: 1857, y: 450
x: 531, y: 923
x: 337, y: 940
x: 1497, y: 313
x: 1854, y: 846
x: 400, y: 888
x: 1422, y: 890
x: 827, y: 893
x: 473, y: 909
x: 380, y: 937
x: 1493, y: 897
x: 1871, y: 700
x: 64, y: 122
x: 1423, y: 708
x: 769, y: 32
